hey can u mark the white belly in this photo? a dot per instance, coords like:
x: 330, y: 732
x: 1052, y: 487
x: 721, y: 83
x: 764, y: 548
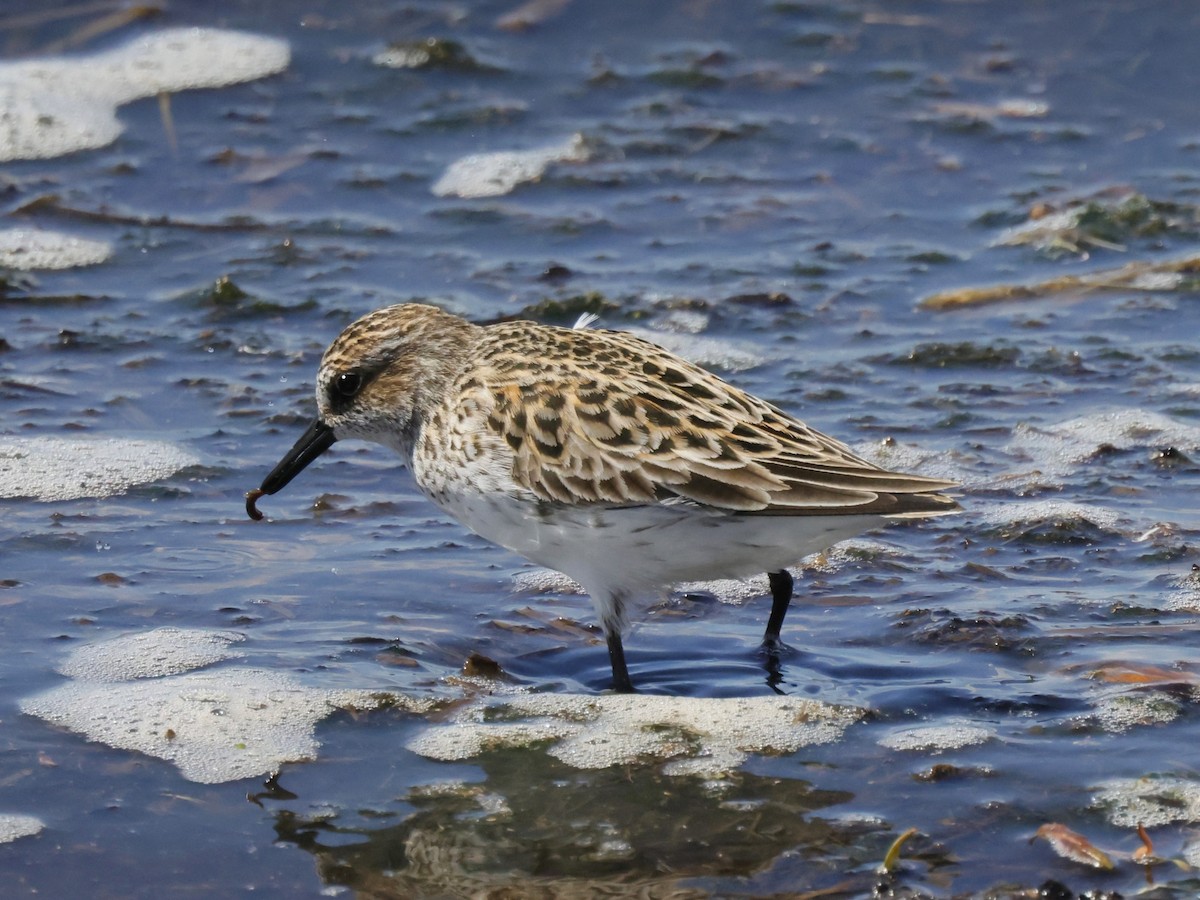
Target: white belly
x: 634, y: 549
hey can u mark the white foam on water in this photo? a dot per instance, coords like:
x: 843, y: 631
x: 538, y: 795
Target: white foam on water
x: 150, y: 654
x: 695, y: 736
x: 1044, y: 232
x: 1151, y: 801
x: 1059, y: 449
x: 917, y: 460
x: 58, y: 105
x: 709, y: 352
x: 16, y: 825
x: 545, y: 581
x: 52, y: 468
x: 38, y: 124
x: 214, y: 726
x: 944, y: 736
x: 1028, y: 512
x: 498, y: 173
x: 1119, y: 712
x: 26, y: 249
x: 684, y: 321
x: 1187, y: 597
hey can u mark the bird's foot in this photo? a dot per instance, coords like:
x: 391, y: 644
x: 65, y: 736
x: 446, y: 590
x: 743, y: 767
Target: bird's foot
x: 773, y: 646
x: 771, y: 650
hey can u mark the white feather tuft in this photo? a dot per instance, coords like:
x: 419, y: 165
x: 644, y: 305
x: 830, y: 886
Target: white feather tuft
x: 586, y: 320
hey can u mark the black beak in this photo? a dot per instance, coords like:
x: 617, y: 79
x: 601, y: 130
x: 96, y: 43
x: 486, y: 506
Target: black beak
x: 312, y: 443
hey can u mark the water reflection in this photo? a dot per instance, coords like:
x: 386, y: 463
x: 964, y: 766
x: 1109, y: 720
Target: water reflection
x: 547, y: 830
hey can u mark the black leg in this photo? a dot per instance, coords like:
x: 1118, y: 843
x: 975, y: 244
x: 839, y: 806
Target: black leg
x: 781, y: 598
x: 616, y: 654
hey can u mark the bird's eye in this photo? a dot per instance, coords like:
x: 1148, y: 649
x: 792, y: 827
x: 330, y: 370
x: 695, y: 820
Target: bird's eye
x: 347, y: 384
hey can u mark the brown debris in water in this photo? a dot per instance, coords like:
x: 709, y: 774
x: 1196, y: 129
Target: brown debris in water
x: 1169, y: 275
x: 1074, y: 846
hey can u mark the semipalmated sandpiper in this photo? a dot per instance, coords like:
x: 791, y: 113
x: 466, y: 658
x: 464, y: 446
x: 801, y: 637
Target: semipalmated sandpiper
x: 598, y: 454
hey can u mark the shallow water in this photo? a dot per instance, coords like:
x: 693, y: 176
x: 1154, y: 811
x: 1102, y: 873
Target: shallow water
x: 771, y: 188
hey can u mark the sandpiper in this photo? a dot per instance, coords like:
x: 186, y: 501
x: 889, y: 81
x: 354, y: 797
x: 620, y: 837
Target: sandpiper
x: 598, y: 454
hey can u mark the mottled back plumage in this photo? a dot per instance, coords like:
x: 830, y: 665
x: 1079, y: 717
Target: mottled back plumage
x: 606, y: 417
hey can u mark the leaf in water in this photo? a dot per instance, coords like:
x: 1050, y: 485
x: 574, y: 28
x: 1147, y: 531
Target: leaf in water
x: 398, y: 660
x: 168, y: 121
x: 530, y: 14
x: 1145, y: 853
x: 1150, y: 276
x: 1137, y: 673
x: 893, y: 854
x: 985, y: 112
x: 1074, y: 846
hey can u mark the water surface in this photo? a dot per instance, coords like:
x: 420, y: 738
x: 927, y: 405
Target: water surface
x: 770, y: 187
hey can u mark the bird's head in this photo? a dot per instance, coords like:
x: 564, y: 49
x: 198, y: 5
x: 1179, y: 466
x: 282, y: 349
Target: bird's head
x: 375, y: 383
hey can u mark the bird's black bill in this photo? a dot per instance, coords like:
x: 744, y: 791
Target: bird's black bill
x: 312, y: 443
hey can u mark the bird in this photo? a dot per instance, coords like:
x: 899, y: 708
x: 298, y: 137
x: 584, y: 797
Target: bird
x: 599, y: 454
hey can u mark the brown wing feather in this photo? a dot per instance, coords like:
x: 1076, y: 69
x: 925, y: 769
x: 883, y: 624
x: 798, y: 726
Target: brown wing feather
x: 615, y: 420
